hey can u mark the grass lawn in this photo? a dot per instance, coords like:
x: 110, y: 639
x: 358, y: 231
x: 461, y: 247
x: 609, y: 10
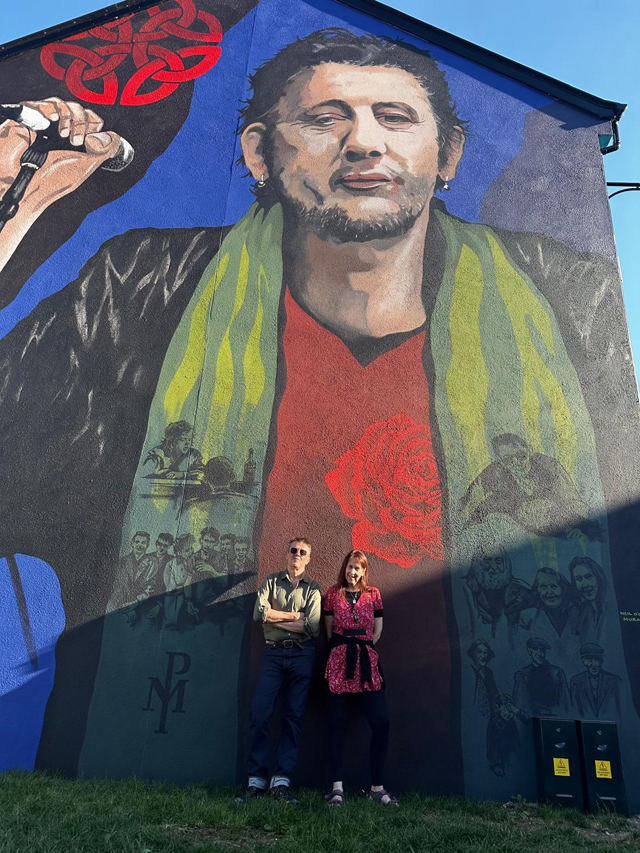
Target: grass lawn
x: 46, y: 814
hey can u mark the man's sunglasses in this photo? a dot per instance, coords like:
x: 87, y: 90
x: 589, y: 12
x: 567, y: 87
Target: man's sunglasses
x: 300, y: 551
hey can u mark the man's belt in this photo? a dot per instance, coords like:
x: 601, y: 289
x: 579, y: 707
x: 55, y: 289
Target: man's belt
x: 287, y: 644
x: 353, y: 643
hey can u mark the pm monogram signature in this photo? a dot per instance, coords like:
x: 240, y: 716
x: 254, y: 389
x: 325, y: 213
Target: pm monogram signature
x: 167, y: 691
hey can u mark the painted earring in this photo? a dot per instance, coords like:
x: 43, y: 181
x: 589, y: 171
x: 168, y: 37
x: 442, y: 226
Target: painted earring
x: 262, y: 182
x: 446, y: 186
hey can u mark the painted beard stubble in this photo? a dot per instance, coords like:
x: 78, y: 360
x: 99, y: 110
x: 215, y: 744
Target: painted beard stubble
x: 334, y: 224
x: 494, y: 582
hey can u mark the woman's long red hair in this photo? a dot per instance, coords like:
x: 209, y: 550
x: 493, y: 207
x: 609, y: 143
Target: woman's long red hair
x: 362, y: 561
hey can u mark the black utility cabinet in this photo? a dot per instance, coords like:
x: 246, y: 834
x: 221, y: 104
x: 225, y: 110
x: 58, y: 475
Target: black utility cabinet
x: 602, y: 766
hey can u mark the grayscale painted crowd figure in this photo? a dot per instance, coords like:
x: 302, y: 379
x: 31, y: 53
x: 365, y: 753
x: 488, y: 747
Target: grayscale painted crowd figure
x: 560, y: 605
x: 540, y: 689
x: 175, y: 459
x: 571, y: 610
x: 176, y: 583
x: 537, y: 632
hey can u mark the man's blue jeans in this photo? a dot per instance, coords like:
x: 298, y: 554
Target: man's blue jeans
x: 290, y: 670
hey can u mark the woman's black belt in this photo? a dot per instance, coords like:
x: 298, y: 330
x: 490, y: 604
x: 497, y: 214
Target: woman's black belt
x: 352, y: 643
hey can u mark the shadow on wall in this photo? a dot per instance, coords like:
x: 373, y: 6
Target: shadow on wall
x: 559, y: 215
x: 424, y: 750
x: 460, y: 703
x: 422, y: 696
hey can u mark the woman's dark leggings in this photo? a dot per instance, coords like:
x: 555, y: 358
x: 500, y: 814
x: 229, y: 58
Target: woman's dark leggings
x: 374, y: 705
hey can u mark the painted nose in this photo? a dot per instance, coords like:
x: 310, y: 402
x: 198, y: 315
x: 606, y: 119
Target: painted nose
x: 365, y: 139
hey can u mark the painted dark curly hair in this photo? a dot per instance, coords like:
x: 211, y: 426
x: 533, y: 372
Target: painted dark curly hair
x: 335, y: 44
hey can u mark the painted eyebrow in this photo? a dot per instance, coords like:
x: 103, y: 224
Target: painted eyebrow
x: 341, y: 105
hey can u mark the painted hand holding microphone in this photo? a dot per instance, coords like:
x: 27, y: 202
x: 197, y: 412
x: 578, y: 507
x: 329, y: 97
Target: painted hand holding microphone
x: 48, y: 149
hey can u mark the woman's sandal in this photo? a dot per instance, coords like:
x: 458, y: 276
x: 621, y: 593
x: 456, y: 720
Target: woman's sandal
x: 377, y: 796
x: 335, y: 798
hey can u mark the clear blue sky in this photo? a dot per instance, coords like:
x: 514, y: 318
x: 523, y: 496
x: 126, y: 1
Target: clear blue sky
x: 573, y: 40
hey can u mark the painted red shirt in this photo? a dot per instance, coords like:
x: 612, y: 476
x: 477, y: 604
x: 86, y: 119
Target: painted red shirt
x: 329, y: 400
x: 354, y: 465
x: 369, y: 603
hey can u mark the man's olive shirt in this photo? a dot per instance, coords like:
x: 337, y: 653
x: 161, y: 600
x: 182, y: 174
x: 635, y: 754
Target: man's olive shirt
x: 278, y: 593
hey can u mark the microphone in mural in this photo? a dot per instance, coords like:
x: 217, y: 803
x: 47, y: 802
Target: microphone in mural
x: 52, y: 132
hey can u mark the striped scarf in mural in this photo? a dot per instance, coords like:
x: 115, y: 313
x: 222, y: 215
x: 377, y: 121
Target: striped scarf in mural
x: 500, y: 366
x: 221, y: 363
x: 218, y: 377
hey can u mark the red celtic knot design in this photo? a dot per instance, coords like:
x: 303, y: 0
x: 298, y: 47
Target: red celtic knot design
x: 91, y: 74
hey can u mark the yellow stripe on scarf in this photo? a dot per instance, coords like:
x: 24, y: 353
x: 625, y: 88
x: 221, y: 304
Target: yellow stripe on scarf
x: 213, y: 439
x: 524, y: 307
x: 467, y: 379
x: 254, y: 375
x: 190, y: 368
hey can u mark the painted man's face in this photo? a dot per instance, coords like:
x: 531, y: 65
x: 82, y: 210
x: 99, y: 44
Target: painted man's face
x: 161, y: 548
x: 593, y: 665
x: 182, y: 444
x: 516, y: 460
x: 549, y: 590
x: 492, y: 571
x: 355, y: 151
x: 538, y: 656
x: 240, y: 550
x: 209, y: 545
x: 186, y: 550
x: 586, y: 582
x: 139, y: 546
x: 225, y: 545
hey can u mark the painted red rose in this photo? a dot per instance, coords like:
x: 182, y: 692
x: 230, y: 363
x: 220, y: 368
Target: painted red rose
x: 389, y: 485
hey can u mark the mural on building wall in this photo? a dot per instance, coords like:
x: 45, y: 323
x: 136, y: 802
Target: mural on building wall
x: 292, y: 319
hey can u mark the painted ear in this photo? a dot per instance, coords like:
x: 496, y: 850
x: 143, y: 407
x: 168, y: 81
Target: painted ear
x: 252, y: 143
x: 456, y: 149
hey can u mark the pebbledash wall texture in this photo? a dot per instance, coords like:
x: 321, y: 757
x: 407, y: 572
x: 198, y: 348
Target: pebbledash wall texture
x: 353, y: 286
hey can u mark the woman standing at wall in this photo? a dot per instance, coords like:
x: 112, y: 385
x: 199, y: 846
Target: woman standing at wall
x: 353, y: 619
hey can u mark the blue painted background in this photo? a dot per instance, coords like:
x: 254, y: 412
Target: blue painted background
x: 24, y: 691
x: 194, y: 184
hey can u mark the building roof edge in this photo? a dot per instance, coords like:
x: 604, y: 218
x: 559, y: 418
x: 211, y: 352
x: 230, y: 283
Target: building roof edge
x: 599, y: 107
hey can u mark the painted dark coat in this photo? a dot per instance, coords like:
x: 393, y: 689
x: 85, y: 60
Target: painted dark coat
x: 503, y: 741
x: 509, y: 602
x: 541, y: 691
x: 77, y: 377
x: 605, y: 704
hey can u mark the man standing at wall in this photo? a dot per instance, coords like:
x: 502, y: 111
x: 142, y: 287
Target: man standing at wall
x: 288, y: 606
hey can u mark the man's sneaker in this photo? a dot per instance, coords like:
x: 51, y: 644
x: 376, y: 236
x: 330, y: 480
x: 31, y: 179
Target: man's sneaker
x: 282, y: 794
x: 250, y: 794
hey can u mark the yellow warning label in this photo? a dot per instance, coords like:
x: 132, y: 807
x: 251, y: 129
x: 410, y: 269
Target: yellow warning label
x: 561, y: 767
x: 603, y: 769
